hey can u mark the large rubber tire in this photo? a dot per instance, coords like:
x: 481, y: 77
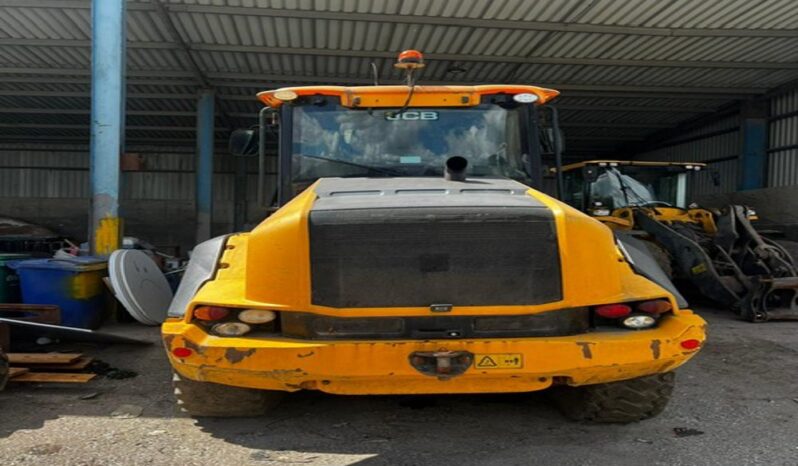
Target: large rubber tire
x: 662, y: 257
x: 206, y: 399
x: 617, y: 402
x: 3, y: 370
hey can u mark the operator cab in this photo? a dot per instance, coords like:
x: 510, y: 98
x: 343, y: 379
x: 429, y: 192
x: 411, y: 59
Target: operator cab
x: 502, y: 131
x: 601, y: 186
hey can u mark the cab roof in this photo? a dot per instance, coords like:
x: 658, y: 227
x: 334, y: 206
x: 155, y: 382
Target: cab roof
x: 395, y: 96
x: 636, y: 163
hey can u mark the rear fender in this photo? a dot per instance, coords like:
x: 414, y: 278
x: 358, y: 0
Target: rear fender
x: 643, y: 263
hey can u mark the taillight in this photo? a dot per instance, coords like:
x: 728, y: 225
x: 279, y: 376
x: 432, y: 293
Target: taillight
x: 230, y: 329
x: 613, y: 311
x: 257, y: 316
x: 658, y: 306
x: 690, y: 344
x: 639, y: 322
x: 211, y: 312
x: 181, y: 352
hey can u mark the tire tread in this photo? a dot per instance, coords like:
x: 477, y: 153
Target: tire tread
x: 207, y: 399
x: 617, y: 402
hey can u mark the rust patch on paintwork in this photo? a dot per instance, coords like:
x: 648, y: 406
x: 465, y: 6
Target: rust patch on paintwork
x: 306, y: 355
x: 235, y: 356
x: 585, y: 345
x: 167, y: 342
x: 655, y: 344
x: 193, y: 346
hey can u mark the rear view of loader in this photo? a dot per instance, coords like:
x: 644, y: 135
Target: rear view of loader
x: 717, y: 252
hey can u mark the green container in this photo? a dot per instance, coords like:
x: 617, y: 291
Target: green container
x: 9, y: 281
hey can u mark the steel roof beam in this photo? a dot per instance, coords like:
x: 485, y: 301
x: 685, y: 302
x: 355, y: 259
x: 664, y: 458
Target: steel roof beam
x: 81, y: 111
x: 610, y: 124
x: 87, y: 72
x: 573, y: 90
x: 484, y: 23
x: 188, y: 49
x: 572, y: 124
x: 50, y: 138
x: 262, y: 80
x: 81, y: 127
x: 637, y: 108
x: 546, y: 26
x: 178, y: 42
x: 28, y: 93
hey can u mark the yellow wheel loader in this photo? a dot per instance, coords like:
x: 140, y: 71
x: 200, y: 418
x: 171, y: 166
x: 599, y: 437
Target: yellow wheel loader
x: 409, y: 255
x: 714, y: 251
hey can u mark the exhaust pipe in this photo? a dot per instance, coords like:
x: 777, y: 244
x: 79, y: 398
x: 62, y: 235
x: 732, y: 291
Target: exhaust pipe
x: 455, y: 169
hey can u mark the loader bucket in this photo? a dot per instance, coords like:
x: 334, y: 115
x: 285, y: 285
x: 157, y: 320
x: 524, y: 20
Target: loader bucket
x: 772, y: 299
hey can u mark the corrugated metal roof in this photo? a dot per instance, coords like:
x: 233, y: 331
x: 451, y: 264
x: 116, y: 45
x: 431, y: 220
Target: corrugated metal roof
x: 644, y: 63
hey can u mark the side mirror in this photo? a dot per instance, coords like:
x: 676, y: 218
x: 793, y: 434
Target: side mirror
x: 715, y: 177
x: 243, y: 142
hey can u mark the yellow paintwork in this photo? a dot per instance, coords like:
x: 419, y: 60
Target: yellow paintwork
x: 108, y: 236
x: 382, y: 367
x: 269, y: 269
x: 278, y: 252
x: 623, y: 218
x: 396, y: 96
x: 635, y: 163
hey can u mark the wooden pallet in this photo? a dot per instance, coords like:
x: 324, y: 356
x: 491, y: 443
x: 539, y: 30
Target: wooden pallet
x: 24, y: 359
x: 30, y: 367
x: 52, y: 377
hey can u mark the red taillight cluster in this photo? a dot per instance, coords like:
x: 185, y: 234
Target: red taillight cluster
x: 691, y: 344
x: 613, y: 311
x: 209, y: 313
x: 229, y: 322
x: 181, y: 352
x: 657, y: 306
x: 635, y: 316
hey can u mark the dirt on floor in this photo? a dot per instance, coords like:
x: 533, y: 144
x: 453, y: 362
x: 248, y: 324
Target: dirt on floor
x: 735, y: 403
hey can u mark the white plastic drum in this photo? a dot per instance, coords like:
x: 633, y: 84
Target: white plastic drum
x: 140, y: 286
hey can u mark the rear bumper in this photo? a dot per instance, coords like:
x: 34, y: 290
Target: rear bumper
x: 383, y: 367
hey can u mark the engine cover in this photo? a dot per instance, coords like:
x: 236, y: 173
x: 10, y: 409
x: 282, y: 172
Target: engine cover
x: 412, y: 242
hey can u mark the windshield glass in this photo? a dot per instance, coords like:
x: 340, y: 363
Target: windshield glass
x: 330, y: 140
x: 633, y: 185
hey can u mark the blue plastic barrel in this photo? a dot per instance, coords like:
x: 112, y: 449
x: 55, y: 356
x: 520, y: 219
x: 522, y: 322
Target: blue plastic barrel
x: 74, y: 284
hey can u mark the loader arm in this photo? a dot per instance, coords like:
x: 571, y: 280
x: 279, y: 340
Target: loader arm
x: 735, y: 267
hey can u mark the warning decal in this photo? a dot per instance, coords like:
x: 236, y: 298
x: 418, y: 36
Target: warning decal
x: 499, y: 361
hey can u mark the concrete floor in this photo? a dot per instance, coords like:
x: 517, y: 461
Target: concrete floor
x: 741, y: 392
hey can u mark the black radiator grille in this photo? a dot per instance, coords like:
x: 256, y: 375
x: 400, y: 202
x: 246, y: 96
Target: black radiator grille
x: 419, y: 256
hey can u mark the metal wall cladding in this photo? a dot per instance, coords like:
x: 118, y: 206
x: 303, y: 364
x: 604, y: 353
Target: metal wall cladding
x: 29, y: 172
x: 720, y: 151
x: 783, y: 163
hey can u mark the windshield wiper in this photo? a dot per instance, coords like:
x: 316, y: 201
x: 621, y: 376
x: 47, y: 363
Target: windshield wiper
x: 385, y: 171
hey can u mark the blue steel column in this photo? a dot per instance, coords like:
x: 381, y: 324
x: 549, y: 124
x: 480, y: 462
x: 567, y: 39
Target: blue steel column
x: 205, y: 127
x: 753, y: 156
x: 107, y: 123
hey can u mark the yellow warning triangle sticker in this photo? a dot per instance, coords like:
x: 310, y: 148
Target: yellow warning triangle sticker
x: 486, y: 361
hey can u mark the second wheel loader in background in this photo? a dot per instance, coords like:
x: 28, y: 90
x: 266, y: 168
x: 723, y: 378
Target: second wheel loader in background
x: 716, y: 252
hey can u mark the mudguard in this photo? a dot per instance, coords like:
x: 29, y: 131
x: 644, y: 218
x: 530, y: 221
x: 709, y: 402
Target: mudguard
x: 643, y: 263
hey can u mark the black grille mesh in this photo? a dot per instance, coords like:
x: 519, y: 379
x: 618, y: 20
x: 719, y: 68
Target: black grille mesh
x: 412, y: 257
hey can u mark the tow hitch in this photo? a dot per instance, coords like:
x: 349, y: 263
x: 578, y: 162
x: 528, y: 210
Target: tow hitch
x: 441, y: 364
